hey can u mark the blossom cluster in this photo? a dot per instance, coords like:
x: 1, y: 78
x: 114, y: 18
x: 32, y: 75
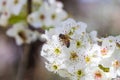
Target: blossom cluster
x: 73, y: 53
x: 9, y: 8
x: 23, y: 35
x: 70, y: 50
x: 49, y: 14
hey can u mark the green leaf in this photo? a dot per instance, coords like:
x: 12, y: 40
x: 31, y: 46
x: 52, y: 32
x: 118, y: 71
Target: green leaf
x: 15, y: 19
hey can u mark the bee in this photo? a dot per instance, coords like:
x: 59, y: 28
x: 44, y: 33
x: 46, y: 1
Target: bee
x: 65, y: 39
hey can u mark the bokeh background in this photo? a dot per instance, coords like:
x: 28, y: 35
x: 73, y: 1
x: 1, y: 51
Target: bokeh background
x: 100, y: 15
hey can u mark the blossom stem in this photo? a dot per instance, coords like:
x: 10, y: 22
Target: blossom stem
x: 22, y: 69
x: 23, y: 63
x: 29, y: 6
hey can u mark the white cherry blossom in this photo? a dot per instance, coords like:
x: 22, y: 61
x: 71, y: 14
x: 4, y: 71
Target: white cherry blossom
x: 94, y: 73
x: 108, y: 46
x: 21, y: 34
x: 48, y: 15
x: 52, y: 50
x: 9, y: 8
x: 86, y: 58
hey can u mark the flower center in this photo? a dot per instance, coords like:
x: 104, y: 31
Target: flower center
x: 73, y: 56
x: 72, y: 30
x: 53, y: 16
x: 16, y: 1
x: 57, y: 51
x: 98, y: 75
x: 80, y: 73
x: 104, y: 51
x: 22, y: 35
x: 55, y: 67
x: 116, y: 64
x: 87, y: 59
x: 78, y: 44
x: 42, y: 17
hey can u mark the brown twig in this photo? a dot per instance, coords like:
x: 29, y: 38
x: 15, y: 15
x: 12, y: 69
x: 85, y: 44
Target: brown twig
x: 26, y: 51
x: 23, y: 63
x: 30, y: 57
x: 29, y: 6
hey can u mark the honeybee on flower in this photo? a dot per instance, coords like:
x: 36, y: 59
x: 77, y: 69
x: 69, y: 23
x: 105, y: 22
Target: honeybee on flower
x: 65, y: 39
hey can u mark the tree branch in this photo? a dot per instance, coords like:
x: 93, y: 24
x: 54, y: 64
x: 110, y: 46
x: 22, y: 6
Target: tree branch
x: 26, y: 51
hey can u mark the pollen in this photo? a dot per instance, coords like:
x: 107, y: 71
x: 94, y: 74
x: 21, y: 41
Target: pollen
x: 98, y: 75
x: 57, y: 51
x: 42, y: 17
x: 87, y: 59
x: 53, y: 16
x: 78, y: 44
x: 116, y: 64
x: 104, y: 51
x: 70, y: 33
x: 80, y: 73
x: 55, y: 67
x: 73, y: 56
x: 72, y: 30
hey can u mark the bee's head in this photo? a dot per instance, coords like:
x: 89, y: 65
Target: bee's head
x: 61, y: 35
